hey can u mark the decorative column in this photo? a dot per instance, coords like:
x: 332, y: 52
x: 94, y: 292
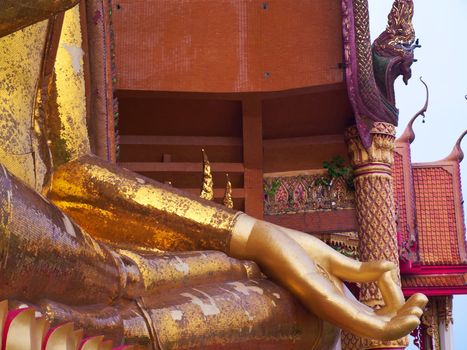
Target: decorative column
x: 374, y: 196
x: 437, y: 321
x: 445, y: 322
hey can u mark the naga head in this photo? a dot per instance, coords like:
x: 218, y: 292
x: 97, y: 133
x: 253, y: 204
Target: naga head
x: 393, y: 50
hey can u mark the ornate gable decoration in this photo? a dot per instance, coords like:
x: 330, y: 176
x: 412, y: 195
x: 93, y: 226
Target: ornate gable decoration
x: 372, y: 69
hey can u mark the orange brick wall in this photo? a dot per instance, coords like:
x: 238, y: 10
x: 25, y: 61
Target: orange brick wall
x: 228, y: 45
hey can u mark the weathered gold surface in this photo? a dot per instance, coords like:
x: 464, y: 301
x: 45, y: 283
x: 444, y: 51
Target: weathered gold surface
x: 89, y: 187
x: 66, y: 105
x: 21, y: 56
x: 39, y: 246
x: 247, y: 305
x: 119, y: 206
x: 18, y: 14
x: 192, y: 299
x: 214, y: 316
x: 161, y: 273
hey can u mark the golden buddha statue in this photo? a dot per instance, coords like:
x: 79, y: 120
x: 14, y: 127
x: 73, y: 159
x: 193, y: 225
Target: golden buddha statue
x: 119, y: 254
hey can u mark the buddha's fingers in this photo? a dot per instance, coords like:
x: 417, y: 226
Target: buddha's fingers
x: 400, y: 326
x: 340, y: 265
x: 362, y: 271
x: 417, y: 300
x: 414, y: 310
x: 408, y: 317
x: 391, y: 291
x: 284, y: 260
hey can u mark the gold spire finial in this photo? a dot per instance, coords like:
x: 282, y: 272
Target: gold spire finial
x: 207, y: 191
x: 228, y: 202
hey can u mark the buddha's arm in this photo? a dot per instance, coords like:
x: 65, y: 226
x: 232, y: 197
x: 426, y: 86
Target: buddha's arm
x: 121, y: 207
x: 16, y: 14
x: 44, y: 254
x: 148, y: 214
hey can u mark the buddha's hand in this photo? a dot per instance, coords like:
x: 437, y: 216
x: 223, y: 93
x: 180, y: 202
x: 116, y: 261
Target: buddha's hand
x: 315, y: 272
x: 386, y: 275
x: 396, y: 317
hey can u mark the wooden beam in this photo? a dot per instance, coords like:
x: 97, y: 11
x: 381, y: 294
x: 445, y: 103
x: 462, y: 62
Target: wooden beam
x: 179, y: 140
x: 253, y: 155
x: 303, y: 141
x: 123, y: 93
x: 318, y: 221
x: 182, y: 167
x: 218, y: 192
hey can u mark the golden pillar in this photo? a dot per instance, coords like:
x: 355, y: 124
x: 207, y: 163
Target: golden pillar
x: 374, y: 199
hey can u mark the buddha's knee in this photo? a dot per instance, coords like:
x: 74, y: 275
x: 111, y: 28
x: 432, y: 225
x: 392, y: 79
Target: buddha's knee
x: 43, y: 253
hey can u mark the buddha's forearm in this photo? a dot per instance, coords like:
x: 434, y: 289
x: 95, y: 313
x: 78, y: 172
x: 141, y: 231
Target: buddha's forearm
x: 119, y: 206
x: 16, y: 14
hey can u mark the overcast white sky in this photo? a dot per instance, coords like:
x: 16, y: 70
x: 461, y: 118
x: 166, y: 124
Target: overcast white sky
x: 442, y: 29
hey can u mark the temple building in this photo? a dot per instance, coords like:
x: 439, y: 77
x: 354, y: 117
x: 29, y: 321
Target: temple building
x: 293, y: 109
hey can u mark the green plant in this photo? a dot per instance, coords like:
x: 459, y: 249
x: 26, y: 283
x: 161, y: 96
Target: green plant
x: 336, y: 169
x: 270, y: 190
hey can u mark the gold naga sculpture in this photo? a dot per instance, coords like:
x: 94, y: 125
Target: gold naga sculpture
x: 142, y: 263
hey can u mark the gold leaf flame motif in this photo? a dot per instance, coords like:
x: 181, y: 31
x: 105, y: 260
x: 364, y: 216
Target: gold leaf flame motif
x: 207, y: 191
